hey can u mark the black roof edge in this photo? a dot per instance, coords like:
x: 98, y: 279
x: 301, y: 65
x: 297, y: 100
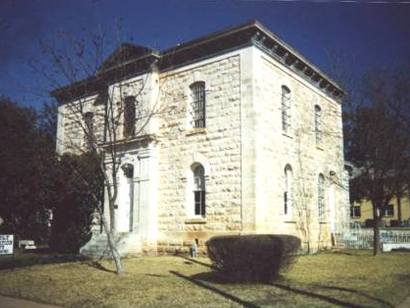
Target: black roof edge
x: 316, y: 77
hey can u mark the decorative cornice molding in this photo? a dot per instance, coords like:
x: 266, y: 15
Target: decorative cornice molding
x: 253, y: 33
x: 295, y: 62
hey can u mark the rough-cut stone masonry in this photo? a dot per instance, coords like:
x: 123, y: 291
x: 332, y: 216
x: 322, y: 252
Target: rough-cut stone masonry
x: 217, y: 146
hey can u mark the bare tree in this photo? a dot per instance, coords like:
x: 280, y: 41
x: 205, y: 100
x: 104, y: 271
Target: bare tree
x: 103, y: 109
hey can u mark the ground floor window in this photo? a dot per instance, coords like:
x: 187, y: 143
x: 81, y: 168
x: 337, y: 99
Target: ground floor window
x: 388, y: 210
x: 199, y: 190
x: 355, y: 211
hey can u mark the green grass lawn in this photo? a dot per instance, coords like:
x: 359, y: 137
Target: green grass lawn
x: 351, y: 278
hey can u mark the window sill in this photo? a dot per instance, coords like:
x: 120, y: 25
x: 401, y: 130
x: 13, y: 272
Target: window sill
x: 323, y: 222
x: 199, y: 220
x: 290, y: 221
x: 196, y: 131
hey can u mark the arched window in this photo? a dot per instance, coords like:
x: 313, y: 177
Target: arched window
x: 198, y: 104
x: 285, y: 107
x: 199, y: 190
x: 288, y: 195
x: 129, y: 116
x: 321, y: 197
x: 318, y: 124
x: 89, y: 129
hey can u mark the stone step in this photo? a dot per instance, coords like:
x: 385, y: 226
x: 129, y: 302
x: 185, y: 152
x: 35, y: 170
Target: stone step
x: 127, y: 244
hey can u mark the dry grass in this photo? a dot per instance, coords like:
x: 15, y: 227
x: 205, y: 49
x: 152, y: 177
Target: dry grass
x: 323, y: 280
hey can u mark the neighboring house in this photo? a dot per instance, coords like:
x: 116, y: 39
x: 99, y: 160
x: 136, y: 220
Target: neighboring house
x: 252, y: 141
x: 361, y: 212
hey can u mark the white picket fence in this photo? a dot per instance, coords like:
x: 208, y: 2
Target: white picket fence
x: 358, y: 238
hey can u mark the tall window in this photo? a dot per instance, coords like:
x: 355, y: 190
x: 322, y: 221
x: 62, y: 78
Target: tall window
x: 89, y: 127
x: 199, y: 190
x: 318, y: 124
x: 321, y: 197
x: 287, y: 195
x: 129, y: 116
x: 198, y: 104
x: 285, y: 106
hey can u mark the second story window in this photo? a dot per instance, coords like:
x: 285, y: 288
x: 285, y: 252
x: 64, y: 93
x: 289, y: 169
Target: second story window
x: 318, y: 124
x: 198, y: 104
x: 89, y: 129
x: 129, y: 116
x: 285, y: 108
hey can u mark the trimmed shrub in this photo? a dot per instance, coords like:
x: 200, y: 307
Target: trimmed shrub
x: 258, y: 257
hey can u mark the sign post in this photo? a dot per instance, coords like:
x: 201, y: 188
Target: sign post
x: 6, y: 244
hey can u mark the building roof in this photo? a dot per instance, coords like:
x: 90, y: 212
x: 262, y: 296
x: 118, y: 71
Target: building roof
x: 130, y: 60
x: 125, y: 53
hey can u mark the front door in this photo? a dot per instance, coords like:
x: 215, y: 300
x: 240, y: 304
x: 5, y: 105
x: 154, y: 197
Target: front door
x: 125, y: 197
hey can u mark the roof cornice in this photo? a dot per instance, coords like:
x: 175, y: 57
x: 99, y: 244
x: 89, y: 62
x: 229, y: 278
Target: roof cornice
x: 258, y: 35
x: 289, y: 57
x: 251, y: 33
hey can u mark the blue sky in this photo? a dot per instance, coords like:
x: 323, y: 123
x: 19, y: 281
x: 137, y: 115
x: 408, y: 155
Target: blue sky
x: 358, y: 36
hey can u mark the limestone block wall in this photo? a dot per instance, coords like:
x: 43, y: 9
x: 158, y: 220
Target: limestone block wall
x: 144, y: 88
x: 70, y: 132
x: 298, y: 148
x: 70, y: 135
x: 216, y: 147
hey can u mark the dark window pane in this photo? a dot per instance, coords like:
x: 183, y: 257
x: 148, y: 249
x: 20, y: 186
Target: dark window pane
x: 198, y: 104
x: 129, y: 116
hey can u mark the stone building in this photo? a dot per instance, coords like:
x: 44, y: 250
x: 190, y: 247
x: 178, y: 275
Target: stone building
x: 250, y: 141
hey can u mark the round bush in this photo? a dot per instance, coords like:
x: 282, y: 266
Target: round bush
x: 253, y: 257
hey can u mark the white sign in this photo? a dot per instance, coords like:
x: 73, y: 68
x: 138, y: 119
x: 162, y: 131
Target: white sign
x: 6, y: 244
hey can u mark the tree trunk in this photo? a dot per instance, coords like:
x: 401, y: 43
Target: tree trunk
x: 113, y: 226
x: 376, y: 231
x: 111, y: 244
x: 399, y: 208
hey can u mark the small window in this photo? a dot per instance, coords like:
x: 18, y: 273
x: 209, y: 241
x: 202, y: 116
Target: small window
x: 285, y: 107
x: 89, y: 129
x: 198, y: 104
x: 318, y: 124
x: 129, y: 116
x: 321, y: 197
x: 388, y: 210
x: 199, y: 190
x: 287, y: 195
x: 355, y: 211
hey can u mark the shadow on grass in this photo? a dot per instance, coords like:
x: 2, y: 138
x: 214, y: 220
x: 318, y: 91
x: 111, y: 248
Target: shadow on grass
x: 355, y: 292
x: 194, y: 261
x: 325, y: 298
x: 41, y: 257
x: 216, y: 290
x: 99, y: 266
x: 220, y: 278
x: 156, y: 275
